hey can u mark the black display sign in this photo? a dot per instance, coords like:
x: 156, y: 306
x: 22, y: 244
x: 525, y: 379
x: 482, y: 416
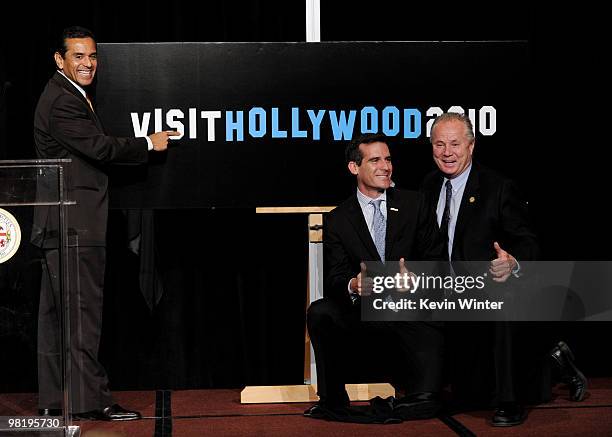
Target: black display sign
x: 265, y: 124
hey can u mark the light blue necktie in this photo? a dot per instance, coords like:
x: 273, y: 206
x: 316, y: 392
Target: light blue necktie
x: 379, y: 226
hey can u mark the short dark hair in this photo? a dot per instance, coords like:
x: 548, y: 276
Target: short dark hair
x: 352, y: 152
x: 72, y: 32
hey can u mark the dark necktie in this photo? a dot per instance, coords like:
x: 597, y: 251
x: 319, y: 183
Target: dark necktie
x: 446, y: 216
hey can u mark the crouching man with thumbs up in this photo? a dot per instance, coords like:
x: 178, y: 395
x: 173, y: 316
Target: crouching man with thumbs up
x: 481, y: 217
x: 377, y: 223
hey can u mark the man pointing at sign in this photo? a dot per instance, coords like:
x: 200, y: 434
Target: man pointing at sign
x: 66, y: 126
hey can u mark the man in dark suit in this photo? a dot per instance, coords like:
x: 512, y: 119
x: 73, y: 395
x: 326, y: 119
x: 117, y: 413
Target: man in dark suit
x: 481, y: 217
x: 377, y: 223
x: 67, y: 126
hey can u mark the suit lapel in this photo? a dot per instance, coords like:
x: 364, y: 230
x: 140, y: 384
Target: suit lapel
x: 97, y: 120
x: 393, y: 216
x: 72, y: 90
x: 469, y: 202
x: 434, y: 194
x: 355, y: 216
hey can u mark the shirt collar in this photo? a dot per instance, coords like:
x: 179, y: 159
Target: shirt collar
x: 81, y: 90
x: 365, y: 200
x: 460, y: 180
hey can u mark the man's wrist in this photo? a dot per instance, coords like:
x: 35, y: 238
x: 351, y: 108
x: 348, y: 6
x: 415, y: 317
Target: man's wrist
x: 149, y: 144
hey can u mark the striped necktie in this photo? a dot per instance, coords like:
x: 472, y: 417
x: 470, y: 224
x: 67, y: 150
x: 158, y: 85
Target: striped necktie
x: 89, y: 102
x: 446, y: 215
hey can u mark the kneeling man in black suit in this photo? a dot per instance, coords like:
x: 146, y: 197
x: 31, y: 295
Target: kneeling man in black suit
x: 377, y: 223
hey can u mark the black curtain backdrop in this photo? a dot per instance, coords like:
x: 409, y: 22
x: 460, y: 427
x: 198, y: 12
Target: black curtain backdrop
x: 232, y: 311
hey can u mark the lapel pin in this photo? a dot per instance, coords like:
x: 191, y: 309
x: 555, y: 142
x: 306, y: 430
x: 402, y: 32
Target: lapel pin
x: 472, y: 199
x: 394, y: 209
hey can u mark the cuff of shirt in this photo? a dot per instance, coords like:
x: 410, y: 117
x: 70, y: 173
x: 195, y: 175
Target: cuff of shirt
x: 516, y: 271
x: 352, y: 294
x: 149, y: 144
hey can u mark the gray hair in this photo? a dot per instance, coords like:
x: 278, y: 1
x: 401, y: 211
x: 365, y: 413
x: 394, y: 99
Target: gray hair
x: 449, y: 116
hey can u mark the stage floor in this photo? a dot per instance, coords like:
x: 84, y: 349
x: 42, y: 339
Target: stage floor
x: 219, y: 413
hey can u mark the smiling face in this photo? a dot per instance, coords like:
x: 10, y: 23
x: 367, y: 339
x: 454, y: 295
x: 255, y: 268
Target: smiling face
x: 80, y: 61
x: 374, y: 172
x: 452, y: 147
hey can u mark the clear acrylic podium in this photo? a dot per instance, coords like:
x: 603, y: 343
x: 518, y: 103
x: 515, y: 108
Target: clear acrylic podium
x: 33, y: 194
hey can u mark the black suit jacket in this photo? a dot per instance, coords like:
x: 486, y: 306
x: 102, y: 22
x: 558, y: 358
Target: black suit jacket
x: 411, y: 234
x: 500, y: 358
x: 65, y: 127
x: 491, y: 210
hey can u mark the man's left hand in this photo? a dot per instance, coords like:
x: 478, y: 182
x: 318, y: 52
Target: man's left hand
x: 502, y: 266
x: 403, y: 270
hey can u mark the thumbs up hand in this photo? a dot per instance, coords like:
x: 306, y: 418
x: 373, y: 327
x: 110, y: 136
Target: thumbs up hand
x: 404, y: 272
x: 361, y: 284
x: 502, y: 266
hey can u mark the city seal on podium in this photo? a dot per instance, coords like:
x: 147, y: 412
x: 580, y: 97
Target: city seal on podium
x: 10, y: 235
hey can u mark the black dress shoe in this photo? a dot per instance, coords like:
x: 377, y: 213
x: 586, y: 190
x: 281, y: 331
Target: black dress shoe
x: 316, y: 412
x: 508, y: 414
x: 114, y: 412
x: 49, y: 412
x: 417, y: 406
x: 564, y: 359
x: 324, y: 410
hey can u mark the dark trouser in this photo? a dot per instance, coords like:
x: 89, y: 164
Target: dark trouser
x: 349, y: 350
x: 496, y: 362
x: 86, y: 283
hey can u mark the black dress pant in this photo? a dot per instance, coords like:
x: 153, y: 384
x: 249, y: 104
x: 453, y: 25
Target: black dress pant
x: 89, y: 382
x: 348, y: 350
x: 497, y: 362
